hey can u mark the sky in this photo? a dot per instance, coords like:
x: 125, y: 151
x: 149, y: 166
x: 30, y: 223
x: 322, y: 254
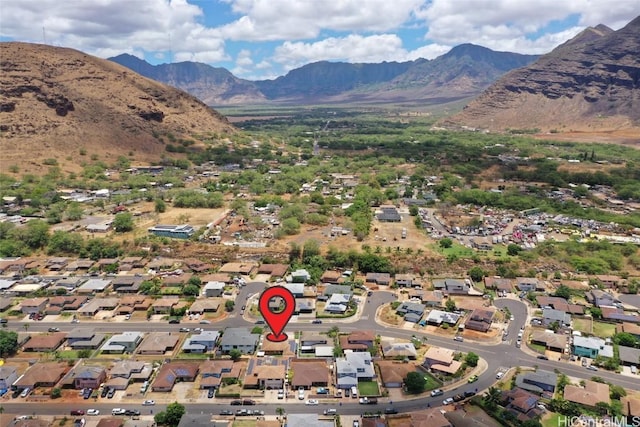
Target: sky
x: 264, y: 39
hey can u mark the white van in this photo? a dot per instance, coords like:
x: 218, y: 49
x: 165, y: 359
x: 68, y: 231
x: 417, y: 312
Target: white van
x: 354, y: 392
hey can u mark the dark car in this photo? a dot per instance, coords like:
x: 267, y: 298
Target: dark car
x: 542, y: 357
x: 248, y: 402
x: 87, y: 393
x: 131, y: 412
x: 3, y: 320
x: 211, y: 393
x: 469, y: 393
x: 105, y: 391
x: 15, y: 394
x: 174, y: 321
x: 458, y: 397
x: 77, y: 412
x: 226, y: 412
x: 236, y: 403
x: 317, y: 322
x: 390, y: 411
x: 111, y: 393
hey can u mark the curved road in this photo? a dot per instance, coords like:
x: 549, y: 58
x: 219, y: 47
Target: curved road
x: 501, y: 356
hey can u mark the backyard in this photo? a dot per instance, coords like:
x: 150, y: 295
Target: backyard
x: 368, y: 388
x: 599, y: 329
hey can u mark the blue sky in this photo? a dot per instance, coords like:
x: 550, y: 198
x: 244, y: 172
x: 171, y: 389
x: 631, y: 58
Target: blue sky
x: 260, y: 39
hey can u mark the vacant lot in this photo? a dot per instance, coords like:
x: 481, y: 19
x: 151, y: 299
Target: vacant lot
x: 599, y: 329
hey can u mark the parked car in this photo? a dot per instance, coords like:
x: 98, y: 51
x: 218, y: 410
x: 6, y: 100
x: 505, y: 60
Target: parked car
x: 111, y: 393
x: 499, y: 375
x: 458, y: 338
x: 447, y: 401
x: 317, y: 322
x: 226, y: 412
x: 211, y: 393
x: 390, y: 411
x: 280, y: 394
x: 331, y: 411
x: 235, y: 403
x: 118, y: 411
x: 436, y: 392
x: 131, y: 412
x: 458, y: 398
x: 248, y: 402
x: 322, y: 390
x: 148, y: 403
x: 312, y: 402
x: 368, y: 401
x: 93, y: 412
x: 25, y: 392
x: 301, y: 393
x: 76, y: 412
x: 543, y: 357
x: 54, y: 329
x: 592, y: 368
x: 472, y: 379
x: 469, y: 393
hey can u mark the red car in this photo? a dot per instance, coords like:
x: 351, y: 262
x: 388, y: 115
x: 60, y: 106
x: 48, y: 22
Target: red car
x: 77, y: 412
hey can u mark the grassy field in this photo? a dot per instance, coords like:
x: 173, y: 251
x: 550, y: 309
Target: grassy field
x: 430, y: 382
x: 368, y: 388
x: 552, y: 421
x: 600, y: 329
x: 537, y: 347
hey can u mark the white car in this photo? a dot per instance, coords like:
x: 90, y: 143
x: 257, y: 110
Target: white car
x: 436, y: 392
x: 447, y: 401
x: 148, y: 403
x: 311, y: 402
x: 93, y: 412
x: 499, y: 375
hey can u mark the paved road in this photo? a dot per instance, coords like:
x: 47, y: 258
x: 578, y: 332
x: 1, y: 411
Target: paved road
x: 498, y: 356
x: 633, y: 300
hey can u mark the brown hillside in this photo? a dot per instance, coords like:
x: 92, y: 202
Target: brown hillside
x: 56, y: 101
x: 589, y: 84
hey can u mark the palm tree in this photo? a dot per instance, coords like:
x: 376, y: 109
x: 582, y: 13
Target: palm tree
x: 492, y: 397
x: 26, y: 327
x: 279, y: 412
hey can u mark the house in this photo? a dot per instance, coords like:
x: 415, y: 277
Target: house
x: 358, y: 340
x: 131, y: 303
x: 411, y: 307
x: 86, y: 377
x: 527, y: 284
x: 629, y: 356
x: 520, y: 403
x: 481, y: 243
x: 158, y: 343
x: 630, y: 406
x: 601, y: 298
x: 393, y: 373
x: 126, y: 342
x: 164, y: 305
x: 127, y: 284
x: 381, y: 279
x: 618, y: 315
x: 212, y: 372
x: 297, y: 289
x: 83, y: 264
x: 59, y: 304
x: 438, y: 317
x: 589, y: 395
x: 203, y: 342
x: 131, y: 262
x: 81, y: 339
x: 173, y: 231
x: 238, y: 268
x: 550, y: 316
x: 308, y: 373
x: 587, y: 346
x: 442, y: 360
x: 274, y: 270
x: 45, y: 343
x: 300, y: 276
x: 337, y: 289
x: 92, y: 286
x: 42, y: 374
x: 538, y: 382
x: 404, y: 280
x: 305, y: 306
x: 8, y: 375
x: 265, y: 376
x: 213, y: 289
x: 240, y: 339
x: 173, y: 372
x: 428, y: 298
x: 551, y: 341
x: 499, y: 284
x: 202, y: 306
x: 480, y: 320
x: 316, y: 344
x: 98, y: 304
x: 395, y: 350
x: 354, y: 367
x: 389, y: 214
x: 33, y: 305
x: 69, y: 284
x: 337, y: 303
x: 609, y: 281
x: 630, y: 328
x: 451, y: 286
x: 331, y: 276
x: 308, y: 420
x: 56, y: 263
x: 559, y: 304
x: 127, y: 371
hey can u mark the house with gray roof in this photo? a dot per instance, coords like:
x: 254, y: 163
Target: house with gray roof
x: 297, y: 289
x: 337, y: 303
x: 8, y: 375
x: 601, y: 298
x: 93, y: 286
x: 308, y: 420
x: 354, y: 367
x: 438, y: 317
x: 213, y: 289
x: 550, y: 315
x: 539, y: 382
x: 629, y: 356
x: 591, y: 347
x: 203, y: 342
x: 239, y: 338
x: 81, y: 339
x: 126, y: 342
x: 337, y: 289
x: 526, y: 283
x: 451, y: 286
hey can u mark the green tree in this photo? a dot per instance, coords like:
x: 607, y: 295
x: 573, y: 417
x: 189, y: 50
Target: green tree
x: 74, y: 211
x: 450, y: 305
x: 160, y: 206
x: 626, y: 339
x: 476, y: 273
x: 414, y: 382
x: 596, y: 312
x: 8, y: 343
x: 229, y: 305
x: 62, y: 242
x: 56, y: 393
x: 445, y: 243
x: 492, y: 397
x: 171, y: 417
x: 35, y: 234
x: 513, y: 249
x: 84, y: 353
x: 235, y: 354
x: 333, y: 332
x: 191, y: 290
x: 471, y: 359
x: 123, y: 222
x: 563, y: 292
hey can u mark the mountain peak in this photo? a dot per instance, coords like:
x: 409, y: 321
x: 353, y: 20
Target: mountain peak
x: 588, y: 35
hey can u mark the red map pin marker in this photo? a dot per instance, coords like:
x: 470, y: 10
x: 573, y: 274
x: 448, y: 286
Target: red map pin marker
x: 277, y: 321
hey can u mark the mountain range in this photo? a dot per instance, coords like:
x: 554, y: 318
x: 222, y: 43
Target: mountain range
x: 589, y: 83
x: 463, y: 72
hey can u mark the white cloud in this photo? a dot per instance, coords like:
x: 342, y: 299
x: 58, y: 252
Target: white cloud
x: 304, y: 19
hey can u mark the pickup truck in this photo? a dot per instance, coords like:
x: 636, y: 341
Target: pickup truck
x: 368, y: 401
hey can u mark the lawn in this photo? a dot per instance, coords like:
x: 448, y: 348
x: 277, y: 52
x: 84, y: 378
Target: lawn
x: 552, y: 421
x: 538, y: 348
x: 600, y: 329
x: 368, y: 388
x: 582, y: 325
x: 194, y: 356
x: 68, y: 354
x: 431, y: 382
